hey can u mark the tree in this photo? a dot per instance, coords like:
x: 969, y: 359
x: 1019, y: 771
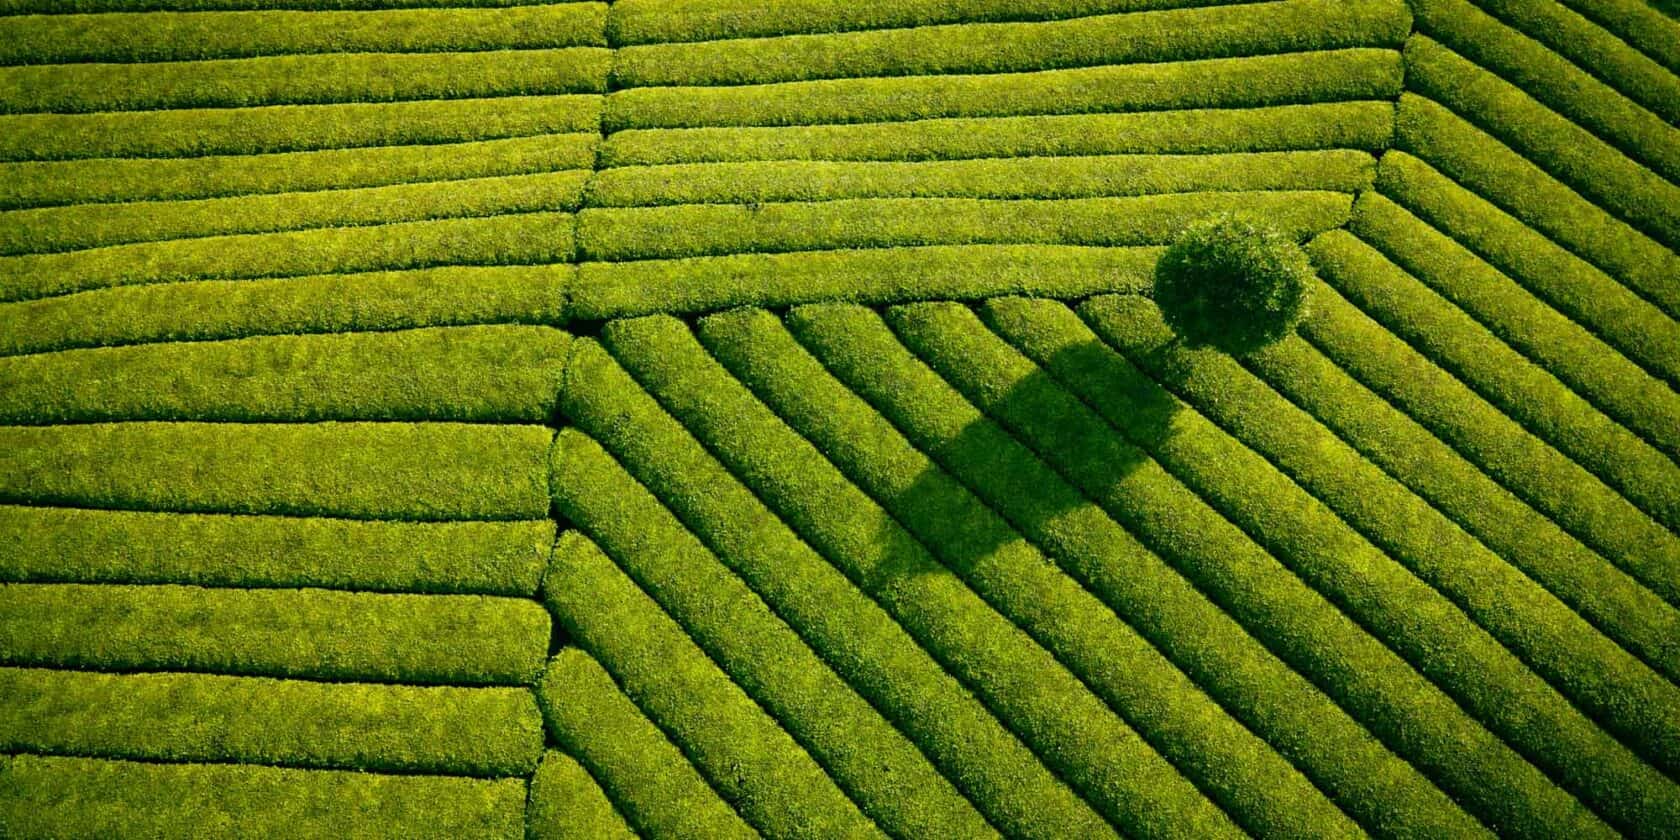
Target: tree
x: 1234, y: 283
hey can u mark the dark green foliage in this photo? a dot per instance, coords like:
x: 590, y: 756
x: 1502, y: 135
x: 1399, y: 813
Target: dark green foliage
x: 1234, y: 282
x: 567, y: 804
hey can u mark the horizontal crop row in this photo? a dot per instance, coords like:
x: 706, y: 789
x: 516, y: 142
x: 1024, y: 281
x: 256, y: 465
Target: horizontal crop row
x: 99, y: 6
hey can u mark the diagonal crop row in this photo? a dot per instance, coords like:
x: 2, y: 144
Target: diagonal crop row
x: 1642, y: 25
x: 1594, y: 49
x: 566, y: 803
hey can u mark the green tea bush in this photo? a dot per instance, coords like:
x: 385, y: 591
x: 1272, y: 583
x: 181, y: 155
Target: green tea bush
x: 89, y: 6
x: 567, y: 804
x: 1234, y: 282
x: 1641, y: 24
x: 1574, y: 36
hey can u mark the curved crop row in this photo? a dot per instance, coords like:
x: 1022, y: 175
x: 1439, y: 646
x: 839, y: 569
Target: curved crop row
x: 309, y: 633
x: 1259, y: 789
x: 1341, y: 170
x: 1412, y: 716
x: 566, y: 804
x: 190, y: 36
x: 295, y: 723
x: 227, y: 309
x: 697, y: 230
x: 648, y: 779
x: 849, y: 630
x: 421, y: 471
x: 1322, y: 125
x: 1594, y: 49
x: 513, y: 239
x: 301, y: 80
x: 877, y: 767
x: 502, y: 374
x: 290, y: 128
x: 1172, y: 35
x: 110, y: 546
x: 1212, y: 83
x: 751, y: 761
x: 47, y: 796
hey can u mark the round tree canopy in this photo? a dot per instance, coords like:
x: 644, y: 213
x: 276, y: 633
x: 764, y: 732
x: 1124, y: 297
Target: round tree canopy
x: 1233, y: 283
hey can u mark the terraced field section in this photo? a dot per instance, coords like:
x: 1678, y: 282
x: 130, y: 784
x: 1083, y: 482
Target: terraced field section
x: 666, y: 418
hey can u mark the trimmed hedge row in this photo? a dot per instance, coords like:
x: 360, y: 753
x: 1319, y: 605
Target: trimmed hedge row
x: 888, y: 275
x: 1614, y: 688
x: 52, y: 229
x: 418, y: 471
x: 309, y: 633
x: 518, y: 238
x: 872, y: 762
x: 1615, y: 385
x: 301, y: 80
x: 1577, y: 288
x: 189, y: 36
x: 1174, y: 35
x: 47, y: 796
x: 102, y: 546
x: 227, y: 309
x: 1255, y: 785
x: 1070, y: 729
x: 1213, y: 83
x: 849, y: 630
x: 694, y: 230
x: 1341, y: 170
x: 749, y: 759
x: 492, y: 374
x: 257, y: 720
x: 1376, y: 787
x: 647, y: 778
x: 1632, y: 203
x: 13, y: 7
x: 1595, y: 50
x: 290, y: 128
x: 566, y: 804
x: 1324, y: 125
x: 1638, y: 23
x: 52, y: 183
x: 1544, y: 478
x: 1411, y: 715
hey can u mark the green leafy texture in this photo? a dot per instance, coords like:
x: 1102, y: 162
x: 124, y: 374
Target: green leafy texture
x: 1613, y: 384
x: 1524, y: 391
x: 139, y: 37
x: 887, y: 275
x: 1543, y: 477
x: 1412, y: 716
x: 1630, y: 199
x: 45, y: 796
x: 567, y: 804
x: 873, y: 763
x: 51, y: 229
x: 1328, y: 125
x: 1577, y: 288
x: 521, y: 239
x: 653, y: 785
x: 290, y: 128
x: 309, y: 633
x: 103, y: 546
x: 1233, y: 282
x: 1342, y: 170
x: 1260, y: 790
x: 851, y: 632
x: 1213, y: 83
x: 693, y: 230
x: 1595, y: 50
x: 1069, y: 728
x: 256, y: 720
x: 419, y: 471
x: 301, y: 80
x: 1383, y: 792
x: 1639, y: 23
x: 50, y: 183
x: 493, y: 374
x: 1580, y: 106
x: 1614, y: 688
x: 224, y: 309
x: 1176, y: 35
x: 63, y: 6
x: 752, y: 762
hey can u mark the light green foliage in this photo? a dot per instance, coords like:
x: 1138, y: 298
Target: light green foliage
x: 486, y: 374
x: 43, y: 796
x: 567, y: 804
x: 105, y: 546
x: 1589, y: 46
x: 64, y: 6
x: 1639, y: 23
x: 295, y: 723
x: 421, y: 471
x: 311, y: 633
